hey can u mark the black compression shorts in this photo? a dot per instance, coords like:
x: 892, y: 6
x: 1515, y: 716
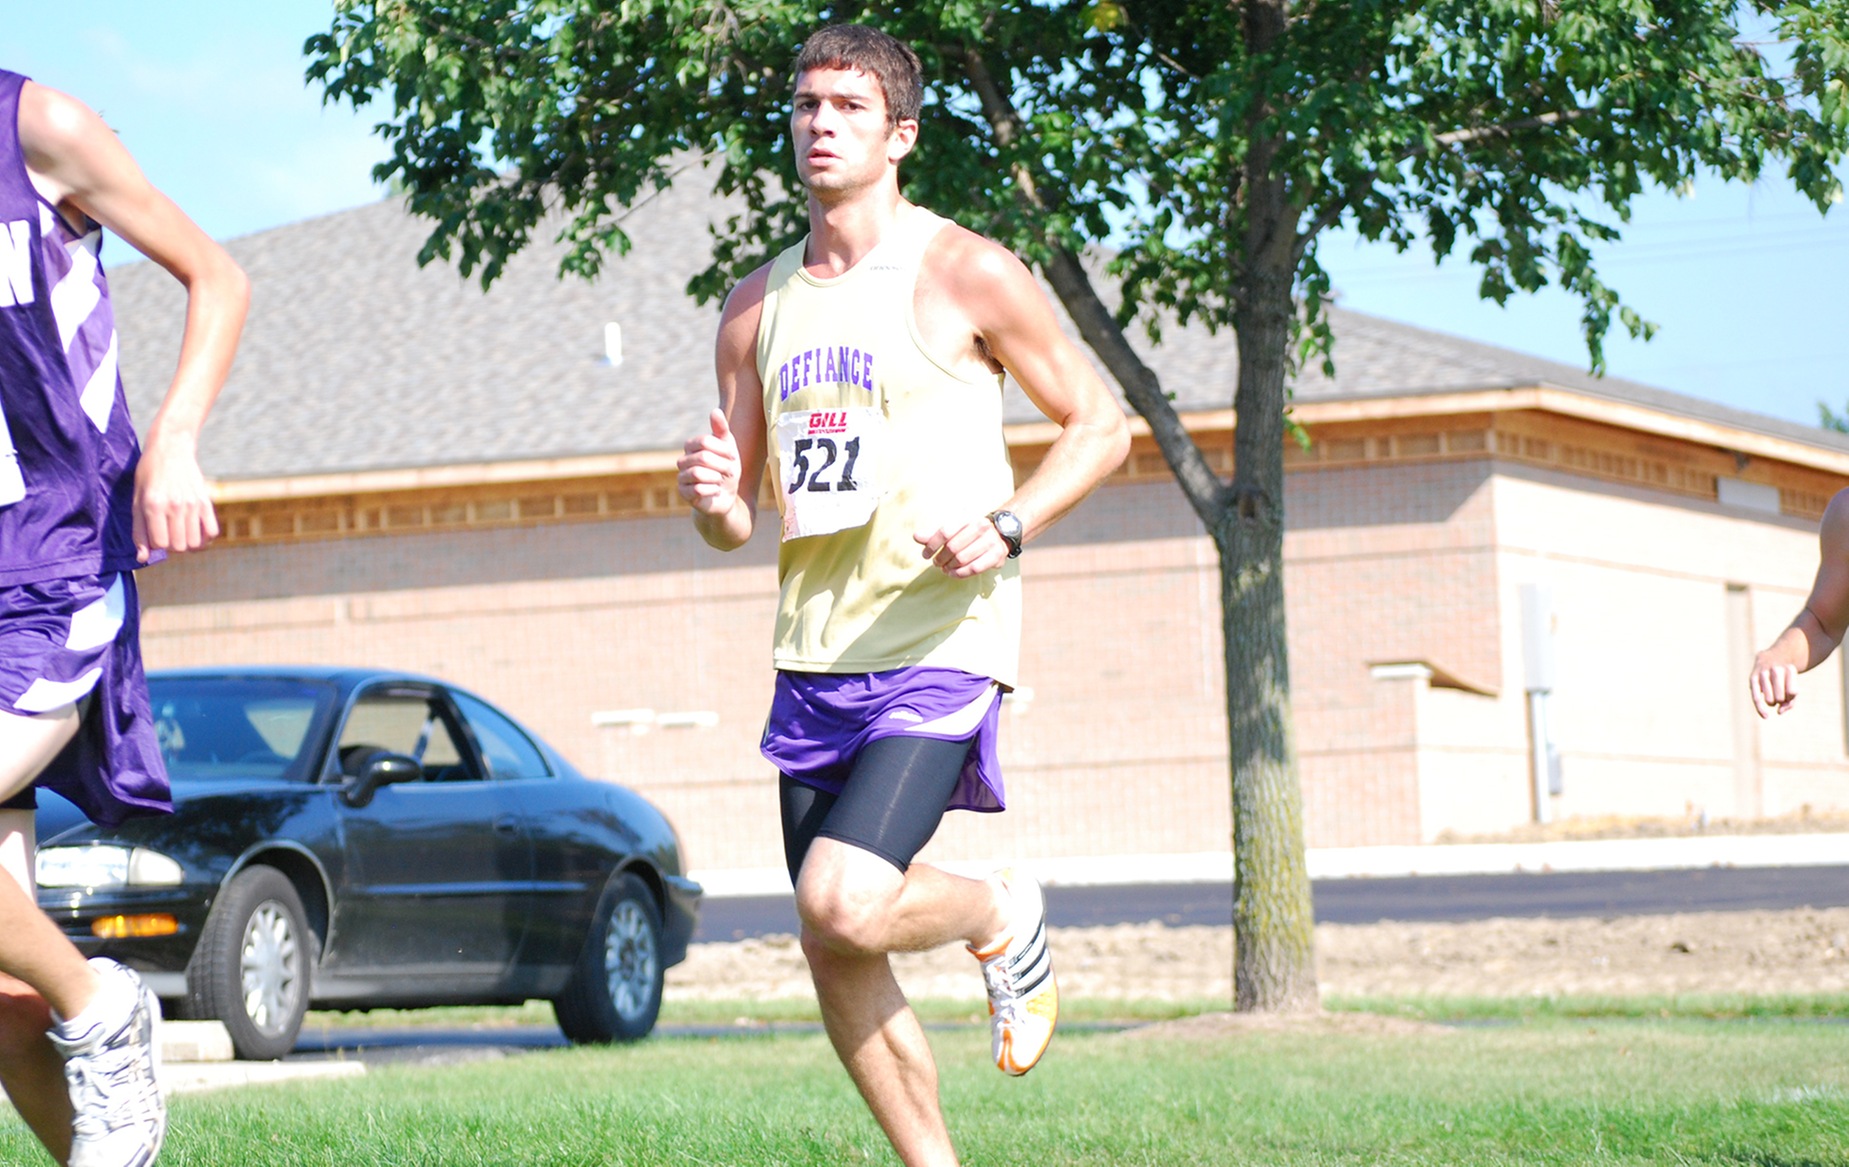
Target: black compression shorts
x: 891, y: 804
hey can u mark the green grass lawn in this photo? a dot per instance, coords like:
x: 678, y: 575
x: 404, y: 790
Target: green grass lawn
x: 1504, y: 1089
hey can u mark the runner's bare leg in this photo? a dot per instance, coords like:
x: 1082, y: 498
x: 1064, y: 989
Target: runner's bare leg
x: 857, y: 908
x: 31, y: 946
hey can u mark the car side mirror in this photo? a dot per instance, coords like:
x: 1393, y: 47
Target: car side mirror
x: 376, y: 770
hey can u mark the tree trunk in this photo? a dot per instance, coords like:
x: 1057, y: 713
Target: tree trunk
x: 1275, y: 968
x: 1274, y: 965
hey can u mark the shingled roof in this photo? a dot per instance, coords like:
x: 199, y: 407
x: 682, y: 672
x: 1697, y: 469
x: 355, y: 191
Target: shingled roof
x: 356, y: 359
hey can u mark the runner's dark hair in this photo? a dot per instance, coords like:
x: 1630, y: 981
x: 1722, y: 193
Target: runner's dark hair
x: 868, y: 50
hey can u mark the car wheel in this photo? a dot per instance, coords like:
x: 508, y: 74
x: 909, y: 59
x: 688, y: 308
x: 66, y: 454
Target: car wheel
x: 253, y: 964
x: 615, y: 991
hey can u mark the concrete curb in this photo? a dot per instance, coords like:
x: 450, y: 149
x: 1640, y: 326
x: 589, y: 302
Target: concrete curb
x: 194, y: 1041
x: 1662, y: 854
x: 197, y: 1055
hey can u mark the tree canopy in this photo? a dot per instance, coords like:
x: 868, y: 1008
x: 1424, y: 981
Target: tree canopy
x: 1209, y: 145
x: 1522, y: 129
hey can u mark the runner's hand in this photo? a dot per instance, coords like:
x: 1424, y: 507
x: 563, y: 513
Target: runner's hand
x: 1774, y: 686
x: 962, y: 551
x: 710, y: 468
x: 173, y: 505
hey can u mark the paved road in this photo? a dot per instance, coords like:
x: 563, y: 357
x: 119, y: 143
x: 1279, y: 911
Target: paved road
x: 1365, y: 901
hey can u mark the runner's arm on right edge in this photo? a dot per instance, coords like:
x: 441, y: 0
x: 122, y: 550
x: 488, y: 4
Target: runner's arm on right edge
x: 1819, y: 625
x: 719, y: 471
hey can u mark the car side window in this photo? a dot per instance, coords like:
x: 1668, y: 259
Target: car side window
x: 508, y: 752
x: 405, y: 723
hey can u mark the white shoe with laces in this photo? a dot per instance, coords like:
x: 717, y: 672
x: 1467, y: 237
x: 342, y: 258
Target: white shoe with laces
x: 110, y: 1062
x: 1018, y: 970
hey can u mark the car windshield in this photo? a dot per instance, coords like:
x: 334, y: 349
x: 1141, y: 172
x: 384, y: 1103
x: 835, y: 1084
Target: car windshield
x: 238, y: 727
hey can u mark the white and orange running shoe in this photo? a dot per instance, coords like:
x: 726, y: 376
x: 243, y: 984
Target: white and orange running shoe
x: 1018, y: 970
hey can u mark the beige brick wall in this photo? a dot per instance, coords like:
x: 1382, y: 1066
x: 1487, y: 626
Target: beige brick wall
x: 1116, y: 742
x: 1650, y: 707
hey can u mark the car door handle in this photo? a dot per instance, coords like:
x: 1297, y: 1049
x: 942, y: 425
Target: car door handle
x: 506, y: 826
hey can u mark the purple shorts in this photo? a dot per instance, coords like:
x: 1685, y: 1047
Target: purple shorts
x: 819, y: 723
x: 65, y: 640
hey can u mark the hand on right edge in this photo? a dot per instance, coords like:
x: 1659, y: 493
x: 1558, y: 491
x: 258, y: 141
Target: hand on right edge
x: 1774, y: 686
x: 710, y: 469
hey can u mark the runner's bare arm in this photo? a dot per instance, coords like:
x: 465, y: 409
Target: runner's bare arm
x: 719, y: 471
x: 76, y: 161
x: 1819, y: 625
x: 1014, y: 323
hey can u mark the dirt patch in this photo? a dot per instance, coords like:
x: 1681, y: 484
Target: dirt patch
x: 1760, y: 953
x: 1129, y: 960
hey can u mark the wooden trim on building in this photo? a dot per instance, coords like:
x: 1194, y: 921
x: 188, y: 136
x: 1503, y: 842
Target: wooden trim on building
x: 467, y: 474
x: 459, y: 507
x: 1594, y: 439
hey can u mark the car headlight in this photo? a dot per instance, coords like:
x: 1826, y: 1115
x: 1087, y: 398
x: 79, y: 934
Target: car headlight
x: 102, y: 865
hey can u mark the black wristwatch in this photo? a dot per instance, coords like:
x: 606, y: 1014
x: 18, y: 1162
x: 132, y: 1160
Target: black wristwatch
x: 1008, y: 526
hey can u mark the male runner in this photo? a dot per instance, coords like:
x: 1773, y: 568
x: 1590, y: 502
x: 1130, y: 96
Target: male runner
x: 872, y: 355
x: 80, y: 507
x: 1819, y: 625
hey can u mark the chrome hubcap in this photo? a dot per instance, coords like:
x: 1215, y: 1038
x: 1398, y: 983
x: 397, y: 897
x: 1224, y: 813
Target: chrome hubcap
x: 269, y: 968
x: 629, y: 960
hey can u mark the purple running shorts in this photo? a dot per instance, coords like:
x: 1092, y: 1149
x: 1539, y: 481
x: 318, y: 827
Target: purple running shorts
x: 819, y: 723
x: 65, y: 640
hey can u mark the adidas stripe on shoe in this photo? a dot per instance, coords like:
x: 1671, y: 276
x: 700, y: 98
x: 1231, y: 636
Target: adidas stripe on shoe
x: 1018, y: 971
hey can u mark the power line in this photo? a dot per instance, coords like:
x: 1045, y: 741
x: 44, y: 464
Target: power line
x: 1607, y: 254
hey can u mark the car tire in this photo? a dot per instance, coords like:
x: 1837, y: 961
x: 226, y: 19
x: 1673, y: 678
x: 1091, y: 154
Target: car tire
x: 615, y: 989
x: 254, y: 964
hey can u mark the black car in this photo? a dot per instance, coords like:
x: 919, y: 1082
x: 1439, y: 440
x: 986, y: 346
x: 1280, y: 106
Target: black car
x: 354, y: 839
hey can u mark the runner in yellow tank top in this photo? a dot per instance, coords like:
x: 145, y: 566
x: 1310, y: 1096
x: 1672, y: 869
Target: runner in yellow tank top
x: 864, y: 366
x: 874, y: 439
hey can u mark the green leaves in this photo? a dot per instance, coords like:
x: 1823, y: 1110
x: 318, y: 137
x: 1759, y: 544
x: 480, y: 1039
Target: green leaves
x: 507, y: 111
x: 1207, y: 144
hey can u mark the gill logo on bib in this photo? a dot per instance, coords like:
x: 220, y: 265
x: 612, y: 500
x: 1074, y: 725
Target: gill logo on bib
x: 829, y: 461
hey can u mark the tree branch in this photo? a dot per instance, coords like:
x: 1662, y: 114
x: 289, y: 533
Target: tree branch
x: 1508, y: 129
x: 1332, y: 213
x: 1097, y: 327
x: 1328, y: 217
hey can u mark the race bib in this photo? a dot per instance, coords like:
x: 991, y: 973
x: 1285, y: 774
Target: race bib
x: 829, y: 461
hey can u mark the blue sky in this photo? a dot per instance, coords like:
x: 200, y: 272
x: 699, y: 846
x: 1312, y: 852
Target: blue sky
x: 1747, y: 283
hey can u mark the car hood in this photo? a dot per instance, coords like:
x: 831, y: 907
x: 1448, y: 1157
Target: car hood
x: 59, y: 821
x: 56, y: 816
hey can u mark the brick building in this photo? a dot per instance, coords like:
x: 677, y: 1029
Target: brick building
x: 1499, y: 568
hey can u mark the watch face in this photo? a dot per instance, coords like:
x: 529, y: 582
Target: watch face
x: 1008, y: 526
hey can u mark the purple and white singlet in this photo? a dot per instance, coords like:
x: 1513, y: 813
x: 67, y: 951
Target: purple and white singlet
x: 67, y: 447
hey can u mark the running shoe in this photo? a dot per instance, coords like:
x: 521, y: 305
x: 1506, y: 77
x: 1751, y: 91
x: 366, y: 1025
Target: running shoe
x: 110, y: 1062
x: 1018, y: 970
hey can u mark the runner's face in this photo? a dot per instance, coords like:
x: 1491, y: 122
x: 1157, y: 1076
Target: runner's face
x: 838, y: 128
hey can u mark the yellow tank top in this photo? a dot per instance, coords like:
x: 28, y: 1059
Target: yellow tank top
x: 870, y: 439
